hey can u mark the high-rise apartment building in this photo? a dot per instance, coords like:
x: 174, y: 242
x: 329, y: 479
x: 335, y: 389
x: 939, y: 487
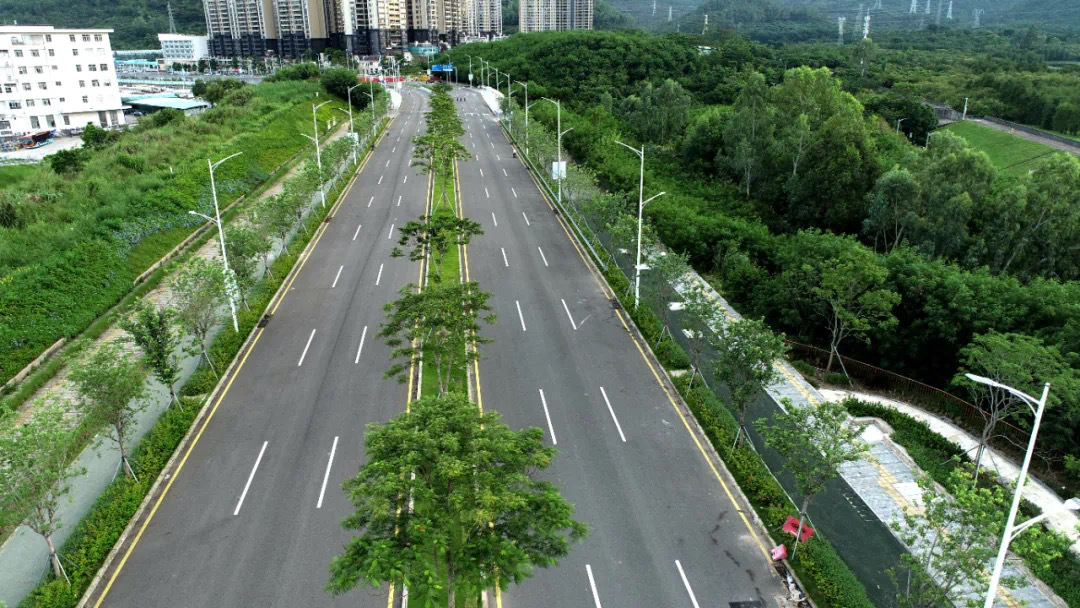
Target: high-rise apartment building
x: 240, y: 27
x: 543, y: 15
x: 55, y: 79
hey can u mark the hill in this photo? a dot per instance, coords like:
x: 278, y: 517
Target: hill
x: 136, y: 22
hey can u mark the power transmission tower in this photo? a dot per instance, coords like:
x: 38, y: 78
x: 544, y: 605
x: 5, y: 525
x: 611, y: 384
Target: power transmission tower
x: 858, y: 16
x: 172, y: 22
x: 927, y: 10
x: 914, y: 7
x: 949, y: 15
x: 653, y: 8
x: 866, y: 27
x: 978, y: 13
x: 876, y: 6
x: 840, y: 22
x: 706, y: 26
x: 939, y: 3
x: 669, y: 13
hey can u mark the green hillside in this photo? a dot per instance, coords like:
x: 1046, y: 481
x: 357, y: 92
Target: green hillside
x: 1008, y: 153
x: 136, y: 22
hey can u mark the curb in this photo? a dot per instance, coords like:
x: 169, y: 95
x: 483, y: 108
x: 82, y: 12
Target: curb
x: 122, y: 543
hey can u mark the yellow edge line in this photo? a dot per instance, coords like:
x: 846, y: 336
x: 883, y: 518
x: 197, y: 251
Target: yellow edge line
x: 210, y: 416
x: 671, y: 400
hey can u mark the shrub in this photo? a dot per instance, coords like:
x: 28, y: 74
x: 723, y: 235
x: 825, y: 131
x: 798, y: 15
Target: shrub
x: 837, y: 379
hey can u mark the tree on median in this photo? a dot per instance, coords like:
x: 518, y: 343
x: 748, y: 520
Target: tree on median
x: 112, y: 390
x: 814, y: 440
x: 245, y: 246
x: 436, y: 233
x: 448, y: 505
x: 36, y: 472
x: 157, y: 333
x: 434, y: 326
x: 746, y: 352
x: 198, y: 293
x: 273, y: 216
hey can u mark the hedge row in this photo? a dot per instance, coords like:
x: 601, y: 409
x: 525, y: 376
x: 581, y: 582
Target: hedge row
x: 84, y: 552
x: 934, y: 454
x: 828, y: 579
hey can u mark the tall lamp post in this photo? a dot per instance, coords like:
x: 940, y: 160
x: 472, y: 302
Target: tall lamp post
x: 470, y: 71
x: 559, y: 173
x: 318, y: 152
x: 229, y: 282
x: 898, y: 125
x: 1012, y: 531
x: 640, y: 210
x: 525, y: 86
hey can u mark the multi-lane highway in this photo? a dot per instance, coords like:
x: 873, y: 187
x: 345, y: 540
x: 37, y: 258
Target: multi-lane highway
x: 664, y: 532
x: 253, y: 517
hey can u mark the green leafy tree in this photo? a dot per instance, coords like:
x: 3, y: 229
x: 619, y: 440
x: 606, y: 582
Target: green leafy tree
x: 67, y: 162
x: 245, y: 246
x: 36, y: 472
x: 112, y: 391
x: 158, y: 335
x: 701, y: 315
x: 671, y: 271
x: 434, y: 325
x: 274, y: 216
x: 337, y: 82
x: 746, y: 353
x: 749, y: 131
x: 814, y: 441
x: 198, y: 294
x: 94, y: 137
x: 437, y: 234
x: 660, y: 113
x: 894, y: 204
x: 480, y: 516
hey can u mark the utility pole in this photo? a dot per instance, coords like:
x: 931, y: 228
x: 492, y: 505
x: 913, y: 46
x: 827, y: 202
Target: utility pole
x: 318, y: 152
x: 949, y: 15
x: 964, y: 117
x: 172, y: 22
x: 840, y: 22
x: 230, y: 280
x: 866, y: 27
x: 978, y: 13
x: 641, y: 209
x: 914, y: 7
x: 706, y: 27
x: 669, y: 13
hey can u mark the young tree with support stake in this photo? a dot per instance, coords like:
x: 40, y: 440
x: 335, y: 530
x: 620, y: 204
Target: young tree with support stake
x: 157, y: 333
x: 274, y: 217
x: 449, y: 505
x: 437, y: 234
x: 112, y: 390
x: 700, y: 315
x: 746, y: 352
x: 36, y: 472
x: 244, y: 246
x: 434, y: 325
x: 199, y: 291
x: 814, y: 441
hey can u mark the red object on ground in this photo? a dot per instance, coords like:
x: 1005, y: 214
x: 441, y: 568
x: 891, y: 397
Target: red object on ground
x: 791, y: 526
x: 779, y: 552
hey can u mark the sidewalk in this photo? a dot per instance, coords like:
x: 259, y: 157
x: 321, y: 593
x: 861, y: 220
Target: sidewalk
x: 1062, y: 521
x: 24, y: 556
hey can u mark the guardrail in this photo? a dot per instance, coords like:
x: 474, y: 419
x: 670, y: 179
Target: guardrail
x: 1072, y: 143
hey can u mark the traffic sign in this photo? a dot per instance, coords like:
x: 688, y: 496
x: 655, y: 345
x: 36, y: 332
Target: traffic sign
x: 442, y: 67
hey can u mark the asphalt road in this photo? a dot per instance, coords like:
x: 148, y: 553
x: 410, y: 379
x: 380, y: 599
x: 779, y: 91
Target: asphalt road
x: 663, y: 530
x: 247, y: 521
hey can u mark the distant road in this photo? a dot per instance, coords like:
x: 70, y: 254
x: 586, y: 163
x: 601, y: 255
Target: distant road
x: 1057, y: 145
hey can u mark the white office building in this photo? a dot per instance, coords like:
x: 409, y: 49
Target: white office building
x: 56, y: 79
x: 183, y: 48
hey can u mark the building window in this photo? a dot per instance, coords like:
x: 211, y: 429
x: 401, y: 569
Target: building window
x: 67, y: 120
x: 35, y: 53
x: 82, y: 84
x: 101, y: 51
x: 72, y: 37
x: 14, y: 105
x: 92, y: 67
x: 29, y: 103
x: 4, y: 53
x: 57, y: 83
x: 56, y: 68
x: 52, y: 52
x: 61, y: 100
x: 108, y: 83
x: 34, y: 124
x: 8, y: 88
x: 78, y: 68
x: 26, y: 86
x: 95, y: 83
x: 74, y: 52
x: 85, y: 99
x: 46, y: 102
x: 48, y: 37
x: 86, y: 37
x: 5, y: 124
x: 104, y: 67
x: 49, y: 120
x: 97, y: 37
x: 39, y: 69
x: 22, y: 69
x: 42, y: 86
x: 18, y: 53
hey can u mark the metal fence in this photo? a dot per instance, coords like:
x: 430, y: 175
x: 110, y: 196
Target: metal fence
x: 1072, y: 143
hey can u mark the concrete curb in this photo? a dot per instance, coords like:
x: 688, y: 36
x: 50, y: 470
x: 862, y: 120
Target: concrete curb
x: 141, y: 515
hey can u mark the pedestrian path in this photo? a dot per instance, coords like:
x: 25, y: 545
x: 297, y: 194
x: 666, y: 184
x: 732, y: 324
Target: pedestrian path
x: 1061, y: 520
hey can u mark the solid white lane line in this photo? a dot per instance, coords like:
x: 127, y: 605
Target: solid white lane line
x: 494, y: 220
x: 481, y: 173
x: 542, y: 256
x: 512, y: 189
x: 371, y: 200
x: 406, y: 178
x: 361, y: 349
x: 380, y: 179
x: 526, y: 218
x: 592, y: 585
x: 567, y: 309
x: 611, y: 410
x: 486, y: 193
x: 505, y: 173
x: 379, y: 278
x: 251, y: 476
x: 326, y: 475
x: 337, y: 276
x: 521, y: 317
x: 399, y: 200
x: 507, y: 264
x: 357, y: 233
x: 693, y: 600
x: 391, y: 233
x: 394, y: 150
x: 551, y: 430
x: 306, y: 346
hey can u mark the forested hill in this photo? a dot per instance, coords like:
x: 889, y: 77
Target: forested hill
x: 136, y: 22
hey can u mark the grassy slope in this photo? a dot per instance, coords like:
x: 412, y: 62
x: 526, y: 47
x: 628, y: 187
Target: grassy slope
x: 1009, y: 153
x: 13, y: 174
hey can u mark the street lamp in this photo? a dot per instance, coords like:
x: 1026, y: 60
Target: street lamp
x: 641, y: 208
x: 898, y: 125
x: 470, y: 71
x: 352, y: 133
x: 318, y: 153
x: 525, y: 85
x: 231, y: 284
x: 558, y: 129
x: 1036, y: 406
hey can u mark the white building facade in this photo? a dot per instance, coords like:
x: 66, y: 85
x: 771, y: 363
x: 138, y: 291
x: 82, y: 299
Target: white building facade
x: 54, y: 78
x: 183, y: 48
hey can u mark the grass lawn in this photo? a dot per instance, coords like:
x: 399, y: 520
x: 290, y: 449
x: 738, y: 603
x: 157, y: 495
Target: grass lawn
x: 1009, y: 153
x: 13, y: 174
